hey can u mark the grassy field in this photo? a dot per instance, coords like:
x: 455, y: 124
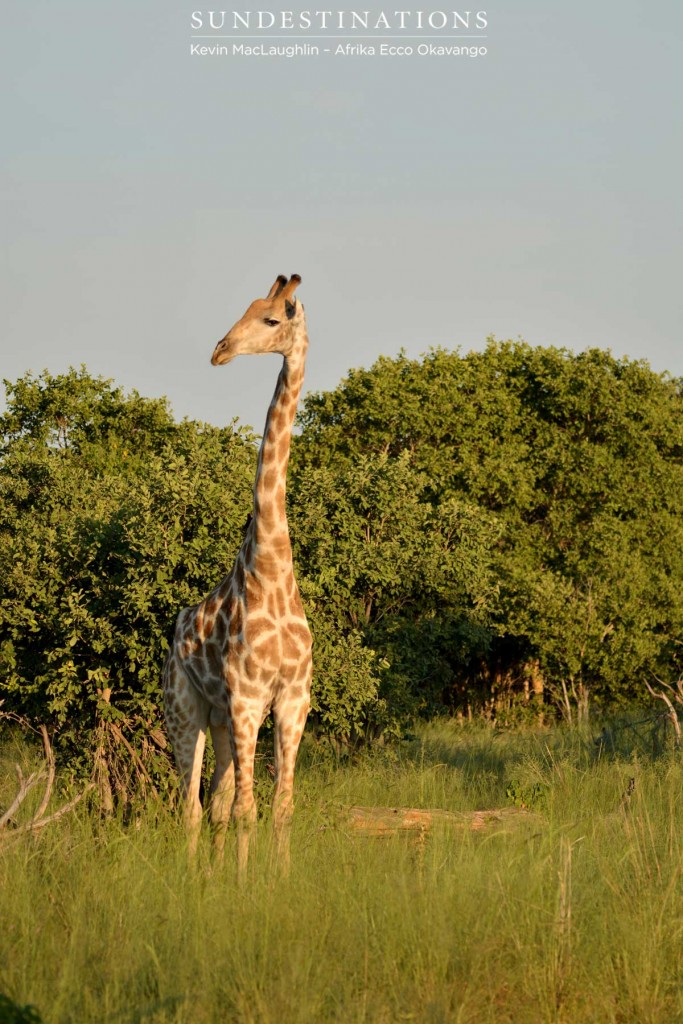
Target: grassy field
x: 575, y: 914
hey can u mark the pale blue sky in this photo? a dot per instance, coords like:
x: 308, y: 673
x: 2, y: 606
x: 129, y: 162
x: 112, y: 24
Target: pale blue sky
x: 149, y: 196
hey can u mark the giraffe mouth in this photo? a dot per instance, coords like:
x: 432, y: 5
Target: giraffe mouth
x: 221, y: 355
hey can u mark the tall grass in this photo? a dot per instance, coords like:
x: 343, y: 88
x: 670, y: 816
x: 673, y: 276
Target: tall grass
x: 575, y: 915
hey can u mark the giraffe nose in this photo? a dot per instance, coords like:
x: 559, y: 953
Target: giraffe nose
x: 220, y: 348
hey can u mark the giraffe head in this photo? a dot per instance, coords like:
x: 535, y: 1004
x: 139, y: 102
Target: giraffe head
x: 267, y: 326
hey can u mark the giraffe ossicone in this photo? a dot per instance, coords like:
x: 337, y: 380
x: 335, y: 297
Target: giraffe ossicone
x: 245, y: 650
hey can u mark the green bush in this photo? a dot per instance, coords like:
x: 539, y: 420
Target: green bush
x: 563, y: 474
x: 12, y: 1013
x: 113, y: 518
x: 463, y: 528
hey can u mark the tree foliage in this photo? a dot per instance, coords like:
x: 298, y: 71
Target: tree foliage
x: 456, y: 520
x: 570, y: 467
x: 113, y: 518
x: 408, y: 579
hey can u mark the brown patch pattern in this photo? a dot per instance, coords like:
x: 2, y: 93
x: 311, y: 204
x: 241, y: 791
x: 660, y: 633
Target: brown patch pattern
x: 246, y: 648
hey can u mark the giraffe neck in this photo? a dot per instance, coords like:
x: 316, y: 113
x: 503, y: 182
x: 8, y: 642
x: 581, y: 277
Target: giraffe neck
x: 270, y: 517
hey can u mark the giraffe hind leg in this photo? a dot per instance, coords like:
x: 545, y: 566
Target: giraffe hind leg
x: 187, y: 717
x: 222, y: 781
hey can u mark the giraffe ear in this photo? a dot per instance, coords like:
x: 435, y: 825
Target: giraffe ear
x: 290, y: 308
x: 291, y: 286
x: 280, y: 282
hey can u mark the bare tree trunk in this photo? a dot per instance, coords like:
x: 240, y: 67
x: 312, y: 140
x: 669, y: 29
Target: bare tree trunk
x: 677, y: 695
x: 567, y: 704
x: 102, y: 776
x: 535, y: 677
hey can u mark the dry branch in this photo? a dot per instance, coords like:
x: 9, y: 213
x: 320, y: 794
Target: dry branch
x: 677, y: 695
x: 386, y: 821
x: 137, y: 760
x: 38, y: 819
x: 25, y: 786
x: 50, y: 760
x: 36, y: 823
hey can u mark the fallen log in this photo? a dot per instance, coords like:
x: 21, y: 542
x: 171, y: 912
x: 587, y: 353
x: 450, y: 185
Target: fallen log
x: 387, y: 821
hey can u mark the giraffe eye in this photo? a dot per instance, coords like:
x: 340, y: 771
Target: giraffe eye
x: 271, y: 323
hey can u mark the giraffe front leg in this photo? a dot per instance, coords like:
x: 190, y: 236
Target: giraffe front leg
x: 244, y: 720
x: 290, y: 719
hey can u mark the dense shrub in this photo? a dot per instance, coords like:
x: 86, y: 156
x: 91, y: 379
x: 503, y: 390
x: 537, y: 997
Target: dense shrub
x: 465, y: 529
x: 113, y: 518
x: 565, y: 475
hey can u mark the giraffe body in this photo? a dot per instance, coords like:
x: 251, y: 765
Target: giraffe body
x: 246, y: 648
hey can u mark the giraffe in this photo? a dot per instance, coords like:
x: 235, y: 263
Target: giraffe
x: 246, y: 648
